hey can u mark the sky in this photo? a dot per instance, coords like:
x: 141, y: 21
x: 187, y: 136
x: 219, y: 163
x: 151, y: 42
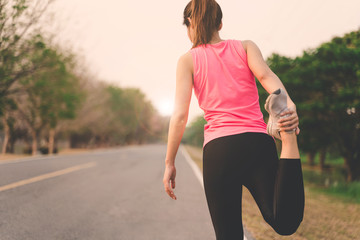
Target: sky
x: 137, y: 43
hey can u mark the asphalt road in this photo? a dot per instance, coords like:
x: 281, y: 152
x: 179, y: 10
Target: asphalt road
x: 115, y: 194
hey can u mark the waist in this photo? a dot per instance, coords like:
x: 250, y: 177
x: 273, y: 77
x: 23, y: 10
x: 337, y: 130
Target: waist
x: 221, y: 129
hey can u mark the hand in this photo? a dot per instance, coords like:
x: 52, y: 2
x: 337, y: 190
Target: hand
x: 291, y: 121
x: 169, y: 179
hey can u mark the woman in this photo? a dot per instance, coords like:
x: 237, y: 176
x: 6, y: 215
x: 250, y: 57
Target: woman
x: 237, y: 148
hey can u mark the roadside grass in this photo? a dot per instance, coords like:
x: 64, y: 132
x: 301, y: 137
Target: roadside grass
x: 65, y: 151
x: 328, y: 214
x: 6, y: 157
x: 348, y: 191
x: 331, y: 180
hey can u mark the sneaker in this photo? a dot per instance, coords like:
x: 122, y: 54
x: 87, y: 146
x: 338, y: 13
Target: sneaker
x: 275, y: 104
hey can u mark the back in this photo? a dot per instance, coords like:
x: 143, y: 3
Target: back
x: 226, y: 90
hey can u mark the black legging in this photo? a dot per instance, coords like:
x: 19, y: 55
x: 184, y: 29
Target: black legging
x: 251, y: 159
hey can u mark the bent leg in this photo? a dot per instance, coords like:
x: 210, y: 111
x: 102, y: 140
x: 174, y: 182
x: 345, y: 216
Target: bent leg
x: 277, y: 187
x: 289, y: 199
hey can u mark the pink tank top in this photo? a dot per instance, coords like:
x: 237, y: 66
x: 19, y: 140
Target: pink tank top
x: 226, y: 90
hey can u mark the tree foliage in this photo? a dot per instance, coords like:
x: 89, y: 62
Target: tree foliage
x: 18, y: 24
x: 194, y: 133
x: 112, y: 115
x: 325, y: 85
x: 51, y: 93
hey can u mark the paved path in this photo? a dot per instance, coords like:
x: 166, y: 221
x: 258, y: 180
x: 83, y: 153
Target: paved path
x: 198, y: 174
x: 115, y: 194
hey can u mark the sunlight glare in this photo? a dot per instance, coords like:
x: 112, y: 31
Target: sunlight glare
x: 165, y: 107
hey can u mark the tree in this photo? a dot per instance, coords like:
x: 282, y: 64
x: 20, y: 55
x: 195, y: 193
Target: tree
x: 338, y: 64
x: 111, y: 115
x: 305, y: 88
x: 18, y: 22
x: 325, y: 84
x: 8, y: 106
x: 131, y: 113
x: 194, y: 134
x: 50, y: 94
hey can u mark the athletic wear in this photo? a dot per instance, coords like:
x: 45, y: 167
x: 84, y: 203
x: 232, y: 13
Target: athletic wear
x: 226, y: 90
x: 237, y: 150
x: 250, y: 160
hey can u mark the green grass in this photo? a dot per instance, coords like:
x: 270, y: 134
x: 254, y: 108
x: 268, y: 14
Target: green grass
x: 333, y: 183
x: 324, y: 178
x: 330, y: 160
x: 332, y: 180
x: 347, y: 190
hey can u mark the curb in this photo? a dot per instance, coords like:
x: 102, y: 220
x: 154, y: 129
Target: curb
x: 193, y: 165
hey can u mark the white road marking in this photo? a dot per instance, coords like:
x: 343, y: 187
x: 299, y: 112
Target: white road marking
x: 46, y: 176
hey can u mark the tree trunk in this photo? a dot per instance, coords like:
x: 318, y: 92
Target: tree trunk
x: 34, y: 142
x: 310, y: 158
x: 353, y: 169
x: 349, y: 177
x: 11, y: 145
x: 6, y: 132
x: 51, y: 141
x: 322, y: 158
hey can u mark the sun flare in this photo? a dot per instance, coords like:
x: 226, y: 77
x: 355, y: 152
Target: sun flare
x: 165, y: 107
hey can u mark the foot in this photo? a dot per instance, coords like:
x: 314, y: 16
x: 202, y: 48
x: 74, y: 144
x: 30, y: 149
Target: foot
x: 275, y: 104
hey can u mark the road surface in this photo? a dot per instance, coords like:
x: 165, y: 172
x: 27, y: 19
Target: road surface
x: 114, y: 194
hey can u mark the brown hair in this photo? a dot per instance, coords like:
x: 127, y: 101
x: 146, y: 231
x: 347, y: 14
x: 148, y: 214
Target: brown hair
x: 205, y: 18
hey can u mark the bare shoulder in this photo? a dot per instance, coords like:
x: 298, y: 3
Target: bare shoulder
x: 186, y: 58
x: 186, y: 61
x: 248, y: 44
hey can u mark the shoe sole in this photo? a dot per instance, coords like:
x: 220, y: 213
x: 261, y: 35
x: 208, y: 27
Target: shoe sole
x: 272, y: 125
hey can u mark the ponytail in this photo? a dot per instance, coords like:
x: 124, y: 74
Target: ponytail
x: 205, y: 18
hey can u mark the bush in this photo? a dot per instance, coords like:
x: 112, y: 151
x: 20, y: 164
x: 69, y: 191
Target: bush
x: 27, y: 150
x: 45, y: 150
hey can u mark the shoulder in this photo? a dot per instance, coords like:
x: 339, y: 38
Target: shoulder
x: 186, y: 61
x: 187, y: 57
x: 249, y: 44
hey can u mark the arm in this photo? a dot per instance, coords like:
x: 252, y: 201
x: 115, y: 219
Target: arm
x: 268, y: 79
x: 178, y: 119
x: 270, y: 82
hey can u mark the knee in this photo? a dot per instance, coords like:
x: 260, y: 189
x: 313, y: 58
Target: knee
x: 287, y: 228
